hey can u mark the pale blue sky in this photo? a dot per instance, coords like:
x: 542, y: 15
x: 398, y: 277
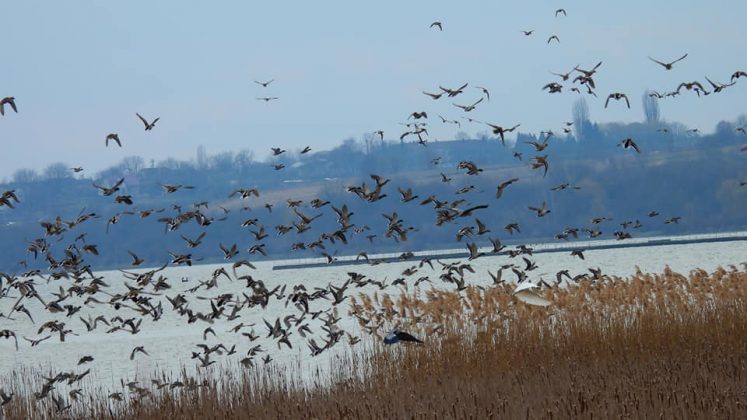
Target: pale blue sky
x: 80, y: 70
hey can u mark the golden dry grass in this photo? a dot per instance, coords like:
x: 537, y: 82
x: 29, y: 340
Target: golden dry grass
x: 649, y: 346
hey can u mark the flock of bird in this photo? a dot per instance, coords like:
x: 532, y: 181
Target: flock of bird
x: 314, y: 318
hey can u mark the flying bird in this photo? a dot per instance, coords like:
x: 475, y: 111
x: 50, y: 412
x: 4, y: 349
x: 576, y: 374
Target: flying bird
x: 667, y: 66
x: 564, y: 76
x: 453, y: 92
x: 497, y: 129
x: 135, y: 259
x: 555, y: 37
x: 735, y: 75
x: 553, y: 87
x: 502, y: 186
x: 629, y: 143
x: 541, y: 211
x: 617, y: 96
x: 111, y: 190
x: 10, y: 100
x: 267, y: 98
x: 559, y: 11
x: 264, y: 84
x: 434, y: 96
x: 695, y: 85
x: 395, y: 336
x: 540, y: 162
x: 468, y: 108
x: 148, y: 126
x: 438, y: 25
x: 113, y: 137
x: 527, y: 293
x: 718, y: 87
x: 138, y: 349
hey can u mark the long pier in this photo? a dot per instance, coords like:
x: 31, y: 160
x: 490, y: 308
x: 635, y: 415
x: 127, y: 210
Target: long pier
x: 452, y: 254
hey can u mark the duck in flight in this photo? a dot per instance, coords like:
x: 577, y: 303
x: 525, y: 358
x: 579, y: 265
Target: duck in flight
x: 113, y: 137
x: 468, y: 108
x: 617, y: 96
x: 10, y: 101
x: 453, y: 92
x: 148, y: 126
x: 718, y: 87
x: 264, y: 84
x: 497, y: 129
x: 667, y: 66
x: 629, y: 144
x: 395, y: 336
x: 434, y: 95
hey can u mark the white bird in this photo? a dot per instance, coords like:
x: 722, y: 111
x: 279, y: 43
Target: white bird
x: 527, y: 293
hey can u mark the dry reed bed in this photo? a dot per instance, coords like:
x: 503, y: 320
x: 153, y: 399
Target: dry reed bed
x: 649, y: 346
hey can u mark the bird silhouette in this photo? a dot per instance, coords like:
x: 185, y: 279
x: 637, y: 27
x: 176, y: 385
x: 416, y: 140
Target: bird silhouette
x: 113, y: 137
x: 396, y: 336
x: 148, y: 125
x: 617, y: 96
x: 667, y: 66
x: 9, y: 100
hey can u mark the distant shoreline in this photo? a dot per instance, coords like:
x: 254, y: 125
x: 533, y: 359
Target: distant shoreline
x: 542, y: 249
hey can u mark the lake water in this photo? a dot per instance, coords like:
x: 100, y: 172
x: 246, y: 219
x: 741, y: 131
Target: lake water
x: 171, y: 341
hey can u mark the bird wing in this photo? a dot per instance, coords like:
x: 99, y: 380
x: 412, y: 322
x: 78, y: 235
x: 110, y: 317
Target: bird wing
x: 679, y: 59
x: 658, y: 62
x: 713, y: 85
x: 142, y: 119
